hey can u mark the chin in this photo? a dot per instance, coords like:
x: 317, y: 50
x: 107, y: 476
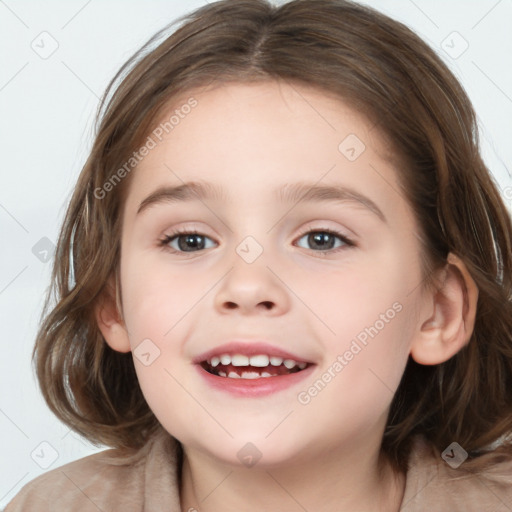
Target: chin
x: 256, y: 452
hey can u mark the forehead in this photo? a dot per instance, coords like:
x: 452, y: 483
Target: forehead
x: 291, y: 111
x: 253, y: 138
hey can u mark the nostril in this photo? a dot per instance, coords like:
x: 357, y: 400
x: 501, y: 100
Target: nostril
x: 233, y: 305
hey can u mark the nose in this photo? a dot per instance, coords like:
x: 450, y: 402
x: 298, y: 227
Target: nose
x: 252, y: 289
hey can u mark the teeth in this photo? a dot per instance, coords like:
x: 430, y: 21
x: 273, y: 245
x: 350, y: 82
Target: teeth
x: 250, y: 375
x: 259, y: 361
x: 238, y: 360
x: 247, y: 375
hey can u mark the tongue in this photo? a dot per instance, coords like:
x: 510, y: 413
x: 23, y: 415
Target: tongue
x: 273, y: 370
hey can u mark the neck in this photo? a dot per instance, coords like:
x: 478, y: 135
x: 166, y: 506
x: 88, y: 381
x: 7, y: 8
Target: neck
x: 333, y: 481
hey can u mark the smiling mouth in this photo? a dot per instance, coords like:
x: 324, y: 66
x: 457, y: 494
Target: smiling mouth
x: 255, y: 367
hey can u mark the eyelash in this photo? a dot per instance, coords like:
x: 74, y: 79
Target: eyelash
x: 348, y: 243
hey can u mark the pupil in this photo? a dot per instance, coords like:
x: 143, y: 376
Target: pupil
x: 316, y: 239
x: 192, y: 243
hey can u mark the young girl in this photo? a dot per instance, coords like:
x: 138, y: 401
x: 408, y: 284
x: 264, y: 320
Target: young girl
x: 284, y: 279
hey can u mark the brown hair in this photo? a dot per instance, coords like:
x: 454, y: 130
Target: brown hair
x: 388, y: 74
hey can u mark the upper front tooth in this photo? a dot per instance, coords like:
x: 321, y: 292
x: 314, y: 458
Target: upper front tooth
x: 259, y: 361
x: 276, y: 361
x: 225, y: 359
x: 239, y: 360
x: 289, y: 363
x: 215, y: 361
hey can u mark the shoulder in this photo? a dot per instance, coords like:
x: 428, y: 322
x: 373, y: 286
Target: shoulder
x: 437, y: 483
x: 109, y: 480
x: 82, y: 485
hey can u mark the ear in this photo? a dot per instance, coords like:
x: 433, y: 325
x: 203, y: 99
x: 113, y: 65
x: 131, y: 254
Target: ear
x: 450, y: 316
x: 110, y: 320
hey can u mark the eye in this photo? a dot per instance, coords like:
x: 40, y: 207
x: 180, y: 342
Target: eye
x: 321, y: 241
x: 324, y: 240
x: 185, y: 241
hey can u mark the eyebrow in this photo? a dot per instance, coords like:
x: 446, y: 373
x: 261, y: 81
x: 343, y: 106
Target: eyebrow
x: 290, y: 193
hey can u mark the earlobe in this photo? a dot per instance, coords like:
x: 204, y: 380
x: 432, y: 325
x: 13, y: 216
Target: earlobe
x: 449, y: 326
x: 110, y: 321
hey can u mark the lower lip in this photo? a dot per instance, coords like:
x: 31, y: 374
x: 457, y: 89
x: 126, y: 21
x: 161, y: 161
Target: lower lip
x: 254, y: 387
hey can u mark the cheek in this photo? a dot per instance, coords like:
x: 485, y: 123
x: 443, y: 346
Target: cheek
x: 156, y: 297
x: 353, y: 390
x: 374, y: 295
x: 158, y: 306
x: 369, y: 313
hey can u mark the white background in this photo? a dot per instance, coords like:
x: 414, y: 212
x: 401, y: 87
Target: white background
x: 47, y: 109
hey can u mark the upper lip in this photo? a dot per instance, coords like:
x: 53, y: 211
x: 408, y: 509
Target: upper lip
x: 249, y: 348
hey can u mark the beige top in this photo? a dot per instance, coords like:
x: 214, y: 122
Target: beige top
x: 101, y: 482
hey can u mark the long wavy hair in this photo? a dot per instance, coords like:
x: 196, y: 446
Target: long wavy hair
x: 386, y: 72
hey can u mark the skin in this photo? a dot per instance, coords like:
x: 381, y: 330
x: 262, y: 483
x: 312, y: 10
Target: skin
x: 321, y: 455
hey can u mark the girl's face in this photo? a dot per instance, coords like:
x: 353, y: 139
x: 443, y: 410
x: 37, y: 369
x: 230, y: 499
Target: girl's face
x: 330, y: 276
